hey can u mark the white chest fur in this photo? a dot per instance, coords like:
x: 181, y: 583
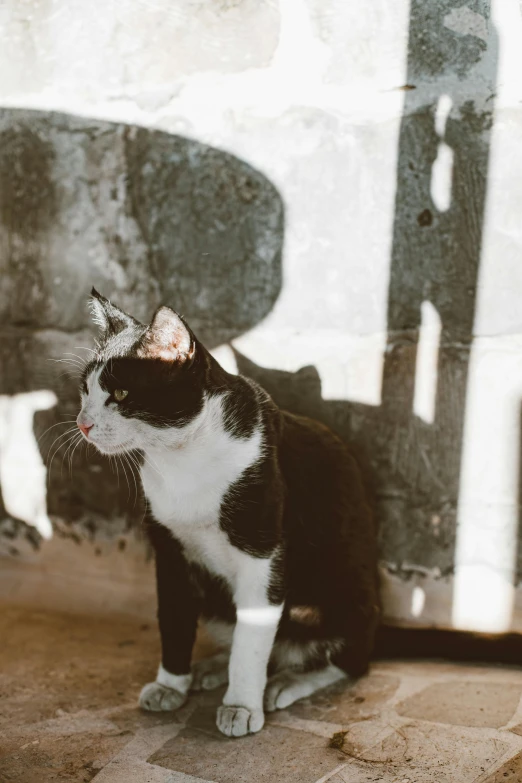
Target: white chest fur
x: 185, y: 484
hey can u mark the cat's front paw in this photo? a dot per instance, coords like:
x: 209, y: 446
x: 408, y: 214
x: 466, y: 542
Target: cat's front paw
x: 158, y: 698
x: 237, y: 721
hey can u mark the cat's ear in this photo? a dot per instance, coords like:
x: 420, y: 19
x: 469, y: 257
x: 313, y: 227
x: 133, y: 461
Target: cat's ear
x: 168, y: 338
x: 110, y: 318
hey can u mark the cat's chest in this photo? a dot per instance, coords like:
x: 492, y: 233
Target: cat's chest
x: 185, y: 491
x: 183, y: 496
x: 208, y: 546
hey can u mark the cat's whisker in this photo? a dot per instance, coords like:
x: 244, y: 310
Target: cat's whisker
x: 61, y: 435
x: 79, y: 365
x: 73, y: 371
x: 71, y: 455
x: 75, y: 355
x: 126, y: 457
x: 69, y: 421
x: 131, y: 456
x: 133, y: 474
x: 73, y: 442
x: 134, y: 458
x: 69, y: 374
x: 114, y: 464
x: 117, y: 470
x: 69, y: 434
x: 125, y: 474
x: 58, y: 360
x: 82, y: 442
x: 57, y: 449
x: 150, y: 462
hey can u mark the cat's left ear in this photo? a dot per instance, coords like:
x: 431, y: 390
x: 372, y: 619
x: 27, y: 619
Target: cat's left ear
x: 168, y: 338
x: 110, y: 318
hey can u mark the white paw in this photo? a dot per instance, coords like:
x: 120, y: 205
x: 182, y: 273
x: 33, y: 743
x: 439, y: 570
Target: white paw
x: 210, y: 673
x: 158, y: 698
x: 238, y: 721
x: 282, y: 690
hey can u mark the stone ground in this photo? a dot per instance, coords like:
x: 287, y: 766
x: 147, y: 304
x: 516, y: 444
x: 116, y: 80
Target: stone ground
x: 68, y: 688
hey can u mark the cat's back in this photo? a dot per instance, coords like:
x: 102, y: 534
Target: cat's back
x: 310, y: 448
x: 324, y: 481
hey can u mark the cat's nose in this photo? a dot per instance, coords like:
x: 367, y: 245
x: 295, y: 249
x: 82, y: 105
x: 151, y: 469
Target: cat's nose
x: 85, y: 423
x: 86, y: 429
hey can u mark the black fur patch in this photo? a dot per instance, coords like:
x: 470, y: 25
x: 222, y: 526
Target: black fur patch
x: 241, y: 409
x: 277, y: 586
x: 163, y: 395
x: 251, y: 511
x: 216, y: 598
x: 177, y: 618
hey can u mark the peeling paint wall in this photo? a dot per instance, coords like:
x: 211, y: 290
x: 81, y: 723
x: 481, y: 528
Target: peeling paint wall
x: 330, y: 190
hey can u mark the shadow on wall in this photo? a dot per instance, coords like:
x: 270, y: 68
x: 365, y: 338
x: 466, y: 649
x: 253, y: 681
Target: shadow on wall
x: 413, y: 443
x: 439, y: 213
x: 148, y: 218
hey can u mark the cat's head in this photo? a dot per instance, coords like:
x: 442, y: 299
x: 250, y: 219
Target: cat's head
x: 144, y: 385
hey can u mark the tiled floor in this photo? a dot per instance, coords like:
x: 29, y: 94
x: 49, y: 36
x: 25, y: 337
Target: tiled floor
x: 68, y: 690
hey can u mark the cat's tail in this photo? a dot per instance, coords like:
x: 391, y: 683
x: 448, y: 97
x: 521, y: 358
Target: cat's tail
x: 396, y: 643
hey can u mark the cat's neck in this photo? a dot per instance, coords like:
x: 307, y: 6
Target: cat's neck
x: 198, y: 433
x: 209, y: 432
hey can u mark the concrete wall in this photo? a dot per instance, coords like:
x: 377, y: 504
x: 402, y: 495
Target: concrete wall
x: 330, y: 192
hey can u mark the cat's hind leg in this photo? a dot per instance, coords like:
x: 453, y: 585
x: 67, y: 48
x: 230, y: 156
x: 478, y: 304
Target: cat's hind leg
x: 288, y: 686
x: 210, y: 672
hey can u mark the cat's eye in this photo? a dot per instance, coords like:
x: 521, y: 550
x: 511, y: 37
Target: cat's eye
x: 119, y: 394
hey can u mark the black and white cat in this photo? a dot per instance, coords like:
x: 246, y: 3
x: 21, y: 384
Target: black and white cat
x: 257, y: 518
